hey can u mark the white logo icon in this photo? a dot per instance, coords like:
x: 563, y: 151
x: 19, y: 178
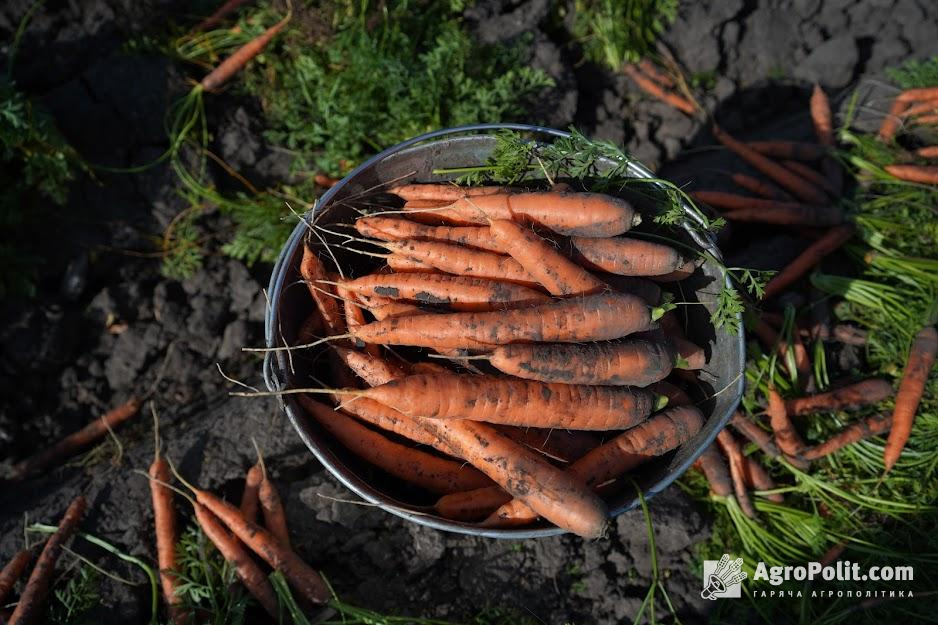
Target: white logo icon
x: 721, y: 579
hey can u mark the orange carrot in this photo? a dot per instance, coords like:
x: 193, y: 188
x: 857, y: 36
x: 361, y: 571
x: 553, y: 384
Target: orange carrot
x: 848, y: 397
x: 649, y: 86
x: 574, y: 214
x: 464, y: 261
x: 391, y: 420
x: 893, y: 118
x: 234, y: 63
x: 549, y: 491
x: 374, y: 370
x: 458, y: 292
x: 299, y: 574
x: 444, y: 192
x: 471, y: 505
x: 737, y: 471
x: 614, y: 458
x: 31, y: 606
x: 863, y: 429
x: 787, y: 214
x: 541, y: 260
x: 391, y: 229
x: 925, y: 174
x: 786, y: 437
x: 821, y: 116
x: 791, y: 150
x: 812, y: 177
x: 919, y: 94
x: 734, y: 201
x: 656, y: 74
x: 930, y: 151
x: 511, y: 401
x: 759, y: 479
x: 250, y: 574
x: 250, y: 495
x: 927, y: 120
x: 713, y: 467
x: 626, y: 256
x: 76, y: 441
x: 562, y: 445
x: 924, y: 107
x: 755, y: 434
x: 221, y: 13
x: 167, y: 535
x: 354, y: 315
x: 762, y: 187
x: 600, y: 317
x: 635, y: 362
x: 914, y: 377
x: 314, y: 274
x: 12, y: 572
x: 275, y: 517
x: 813, y: 255
x: 431, y: 473
x: 790, y: 181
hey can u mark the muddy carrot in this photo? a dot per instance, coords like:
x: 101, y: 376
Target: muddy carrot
x: 562, y: 445
x: 430, y: 472
x: 167, y: 535
x: 614, y: 458
x: 919, y: 94
x: 809, y: 258
x: 31, y: 606
x: 755, y: 434
x: 250, y: 574
x: 714, y: 468
x: 234, y: 63
x: 573, y: 214
x: 442, y: 192
x: 863, y: 429
x: 848, y: 397
x: 626, y: 256
x: 458, y: 292
x: 789, y: 215
x: 924, y: 174
x: 790, y: 181
x: 300, y: 575
x: 649, y: 86
x: 471, y: 505
x: 512, y: 401
x: 737, y: 471
x: 600, y: 317
x: 816, y: 178
x: 374, y: 370
x: 221, y: 13
x: 759, y: 479
x: 928, y: 106
x: 893, y: 118
x: 791, y: 150
x: 275, y: 517
x: 761, y: 187
x: 930, y: 151
x: 786, y: 437
x: 464, y: 261
x: 76, y: 441
x: 250, y: 495
x: 549, y: 491
x: 541, y: 260
x: 914, y: 377
x: 315, y: 276
x: 13, y: 570
x: 396, y: 229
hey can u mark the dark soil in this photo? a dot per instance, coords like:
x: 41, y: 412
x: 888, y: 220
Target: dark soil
x: 105, y: 320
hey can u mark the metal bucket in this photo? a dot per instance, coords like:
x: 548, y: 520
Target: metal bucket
x: 720, y: 384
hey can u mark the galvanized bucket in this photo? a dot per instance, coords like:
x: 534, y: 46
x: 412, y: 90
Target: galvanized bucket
x: 720, y: 384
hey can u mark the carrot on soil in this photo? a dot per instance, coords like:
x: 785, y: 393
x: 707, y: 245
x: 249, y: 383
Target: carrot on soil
x: 813, y: 255
x: 873, y: 425
x: 12, y: 572
x: 76, y: 441
x: 234, y: 63
x: 652, y: 88
x: 756, y: 434
x: 759, y: 479
x: 857, y: 395
x: 786, y: 437
x: 714, y: 469
x: 32, y: 603
x: 737, y: 464
x: 275, y: 517
x: 924, y: 174
x: 790, y: 181
x: 430, y: 472
x: 249, y: 496
x: 655, y: 73
x: 813, y: 177
x: 791, y: 150
x: 250, y: 574
x: 627, y: 256
x: 541, y: 260
x: 789, y: 214
x: 914, y: 378
x: 167, y: 534
x: 762, y: 188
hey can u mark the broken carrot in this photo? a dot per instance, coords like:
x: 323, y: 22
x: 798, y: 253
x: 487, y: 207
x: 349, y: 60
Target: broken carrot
x: 755, y: 434
x: 627, y: 256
